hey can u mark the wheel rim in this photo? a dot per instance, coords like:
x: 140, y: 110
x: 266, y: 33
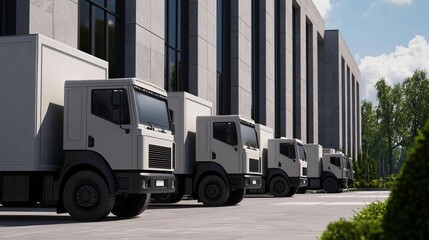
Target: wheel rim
x: 279, y: 186
x: 213, y: 191
x: 86, y: 196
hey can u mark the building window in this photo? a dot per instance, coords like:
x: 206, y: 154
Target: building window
x: 277, y: 73
x: 255, y: 62
x: 223, y: 41
x: 176, y: 22
x: 101, y: 32
x: 7, y: 17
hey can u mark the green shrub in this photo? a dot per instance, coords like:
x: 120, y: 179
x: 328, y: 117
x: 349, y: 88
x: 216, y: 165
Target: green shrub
x: 376, y: 183
x: 365, y: 224
x: 359, y: 230
x: 407, y: 213
x: 374, y: 211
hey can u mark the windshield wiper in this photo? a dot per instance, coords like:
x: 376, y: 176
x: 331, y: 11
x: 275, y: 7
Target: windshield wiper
x: 152, y: 124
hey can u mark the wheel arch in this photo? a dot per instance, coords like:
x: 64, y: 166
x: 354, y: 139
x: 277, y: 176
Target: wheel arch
x: 209, y: 168
x: 274, y: 172
x: 76, y: 161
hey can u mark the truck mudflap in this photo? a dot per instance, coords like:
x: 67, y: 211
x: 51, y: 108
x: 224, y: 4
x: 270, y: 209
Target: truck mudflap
x: 237, y: 181
x: 298, y: 181
x: 144, y: 182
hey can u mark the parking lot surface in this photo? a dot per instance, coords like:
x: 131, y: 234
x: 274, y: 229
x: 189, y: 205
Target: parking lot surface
x: 303, y: 216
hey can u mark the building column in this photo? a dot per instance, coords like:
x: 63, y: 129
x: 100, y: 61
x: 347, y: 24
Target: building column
x: 241, y: 58
x: 144, y: 40
x: 202, y: 49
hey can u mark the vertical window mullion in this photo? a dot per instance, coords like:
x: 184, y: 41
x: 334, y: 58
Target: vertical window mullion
x: 92, y: 28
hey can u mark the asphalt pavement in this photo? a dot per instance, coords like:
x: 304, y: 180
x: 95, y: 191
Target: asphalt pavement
x: 303, y: 216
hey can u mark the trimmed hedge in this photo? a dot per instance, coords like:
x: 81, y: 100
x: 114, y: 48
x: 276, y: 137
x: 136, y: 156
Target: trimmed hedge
x: 407, y: 215
x: 386, y: 182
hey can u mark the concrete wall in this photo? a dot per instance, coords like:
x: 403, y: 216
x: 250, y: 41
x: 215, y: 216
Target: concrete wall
x: 144, y: 40
x: 339, y: 104
x: 56, y: 19
x: 202, y: 45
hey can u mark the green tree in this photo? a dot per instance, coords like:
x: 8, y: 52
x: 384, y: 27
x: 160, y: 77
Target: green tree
x: 370, y: 144
x: 390, y: 118
x: 416, y: 104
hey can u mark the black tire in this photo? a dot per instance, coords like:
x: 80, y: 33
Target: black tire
x: 130, y: 205
x: 166, y: 197
x: 235, y: 197
x: 330, y: 185
x: 279, y: 187
x: 212, y: 191
x: 86, y: 196
x: 292, y: 191
x: 302, y: 190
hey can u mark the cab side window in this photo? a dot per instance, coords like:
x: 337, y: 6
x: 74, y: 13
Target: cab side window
x: 225, y: 132
x: 111, y: 105
x: 336, y: 161
x: 288, y: 150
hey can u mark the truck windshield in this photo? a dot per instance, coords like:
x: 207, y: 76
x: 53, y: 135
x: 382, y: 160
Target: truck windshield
x: 249, y: 136
x: 152, y: 110
x: 301, y: 151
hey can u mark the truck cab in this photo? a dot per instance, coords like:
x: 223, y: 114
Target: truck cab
x: 335, y: 171
x: 284, y: 164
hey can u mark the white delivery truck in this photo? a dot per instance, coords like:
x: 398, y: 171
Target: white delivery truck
x: 325, y: 170
x: 217, y: 157
x: 89, y: 147
x: 284, y: 164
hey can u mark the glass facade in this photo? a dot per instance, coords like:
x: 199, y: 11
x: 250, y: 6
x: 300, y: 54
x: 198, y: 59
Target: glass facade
x: 7, y: 17
x: 255, y: 62
x: 101, y: 32
x: 176, y: 22
x: 223, y: 42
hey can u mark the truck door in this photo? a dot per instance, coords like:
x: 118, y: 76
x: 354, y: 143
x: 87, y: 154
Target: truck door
x: 288, y: 159
x: 335, y: 167
x: 108, y: 126
x: 224, y: 146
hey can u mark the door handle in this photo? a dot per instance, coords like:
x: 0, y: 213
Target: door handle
x: 91, y: 141
x: 213, y: 155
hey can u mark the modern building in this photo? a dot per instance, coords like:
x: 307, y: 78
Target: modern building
x: 269, y: 60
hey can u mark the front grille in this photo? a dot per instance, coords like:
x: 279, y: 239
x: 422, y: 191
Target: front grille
x: 254, y: 165
x: 304, y: 171
x: 159, y: 157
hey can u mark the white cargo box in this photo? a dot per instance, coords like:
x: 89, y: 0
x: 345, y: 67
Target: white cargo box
x: 264, y: 133
x: 33, y: 69
x: 187, y: 108
x: 314, y: 154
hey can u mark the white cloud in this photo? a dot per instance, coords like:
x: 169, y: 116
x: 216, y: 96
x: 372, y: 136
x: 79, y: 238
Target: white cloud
x: 324, y: 7
x: 399, y: 2
x: 394, y: 67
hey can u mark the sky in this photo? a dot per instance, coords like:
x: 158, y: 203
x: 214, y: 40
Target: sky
x: 388, y: 38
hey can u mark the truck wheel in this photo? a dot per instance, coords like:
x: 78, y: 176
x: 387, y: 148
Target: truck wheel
x: 292, y: 191
x: 212, y: 191
x: 130, y: 205
x: 166, y: 197
x: 279, y: 187
x: 330, y: 185
x: 302, y: 190
x: 86, y: 196
x: 235, y: 196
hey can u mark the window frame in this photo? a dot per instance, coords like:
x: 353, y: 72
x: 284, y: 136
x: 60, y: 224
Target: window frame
x: 234, y: 140
x: 115, y: 57
x: 288, y: 154
x: 124, y: 104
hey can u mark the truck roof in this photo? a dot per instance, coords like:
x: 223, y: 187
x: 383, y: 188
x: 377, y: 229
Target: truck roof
x: 118, y: 82
x: 229, y: 117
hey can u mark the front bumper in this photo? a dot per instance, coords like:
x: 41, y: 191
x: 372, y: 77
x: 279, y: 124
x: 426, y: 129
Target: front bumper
x: 144, y: 182
x: 238, y: 181
x: 298, y: 181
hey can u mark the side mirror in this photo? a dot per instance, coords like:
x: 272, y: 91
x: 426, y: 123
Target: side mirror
x: 173, y: 128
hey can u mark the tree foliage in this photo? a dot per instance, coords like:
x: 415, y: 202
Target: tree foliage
x: 388, y: 128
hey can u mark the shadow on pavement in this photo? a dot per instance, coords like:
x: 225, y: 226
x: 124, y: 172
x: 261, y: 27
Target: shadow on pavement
x: 173, y: 206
